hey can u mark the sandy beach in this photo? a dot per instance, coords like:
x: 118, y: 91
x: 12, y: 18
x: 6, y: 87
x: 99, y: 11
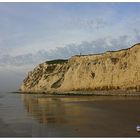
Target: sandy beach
x: 68, y: 116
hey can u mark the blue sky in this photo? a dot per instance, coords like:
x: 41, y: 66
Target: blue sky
x: 29, y: 27
x: 31, y: 33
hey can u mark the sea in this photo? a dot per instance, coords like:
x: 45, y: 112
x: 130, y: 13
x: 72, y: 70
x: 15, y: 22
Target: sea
x: 40, y: 115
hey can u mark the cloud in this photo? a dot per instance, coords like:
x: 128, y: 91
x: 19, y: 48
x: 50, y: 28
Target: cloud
x: 89, y: 23
x: 137, y: 34
x: 86, y: 47
x: 53, y: 25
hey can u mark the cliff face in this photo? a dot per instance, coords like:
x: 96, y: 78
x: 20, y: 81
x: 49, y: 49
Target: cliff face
x: 110, y: 70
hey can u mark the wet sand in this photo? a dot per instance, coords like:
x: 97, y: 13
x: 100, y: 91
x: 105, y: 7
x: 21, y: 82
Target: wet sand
x: 72, y: 116
x: 7, y: 131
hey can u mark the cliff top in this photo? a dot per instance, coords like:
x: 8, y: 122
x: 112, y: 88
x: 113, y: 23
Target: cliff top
x: 62, y: 61
x: 138, y: 44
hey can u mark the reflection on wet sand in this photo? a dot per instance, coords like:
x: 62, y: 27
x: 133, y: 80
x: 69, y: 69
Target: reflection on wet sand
x: 45, y: 110
x: 58, y: 109
x: 83, y: 116
x: 52, y: 109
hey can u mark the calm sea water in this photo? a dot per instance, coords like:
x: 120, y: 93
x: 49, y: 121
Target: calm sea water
x: 27, y: 115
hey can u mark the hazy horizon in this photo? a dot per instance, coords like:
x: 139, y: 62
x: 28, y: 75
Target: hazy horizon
x: 32, y: 33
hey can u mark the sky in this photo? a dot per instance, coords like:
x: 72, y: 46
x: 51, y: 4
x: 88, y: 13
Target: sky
x: 31, y: 33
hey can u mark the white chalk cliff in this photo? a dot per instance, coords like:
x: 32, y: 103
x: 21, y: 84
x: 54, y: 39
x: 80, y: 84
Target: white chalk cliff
x: 118, y: 70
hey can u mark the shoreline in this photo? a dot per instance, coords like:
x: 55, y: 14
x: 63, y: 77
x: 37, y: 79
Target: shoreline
x: 87, y: 93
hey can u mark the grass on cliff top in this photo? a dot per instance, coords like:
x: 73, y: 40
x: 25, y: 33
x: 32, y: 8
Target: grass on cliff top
x: 57, y: 61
